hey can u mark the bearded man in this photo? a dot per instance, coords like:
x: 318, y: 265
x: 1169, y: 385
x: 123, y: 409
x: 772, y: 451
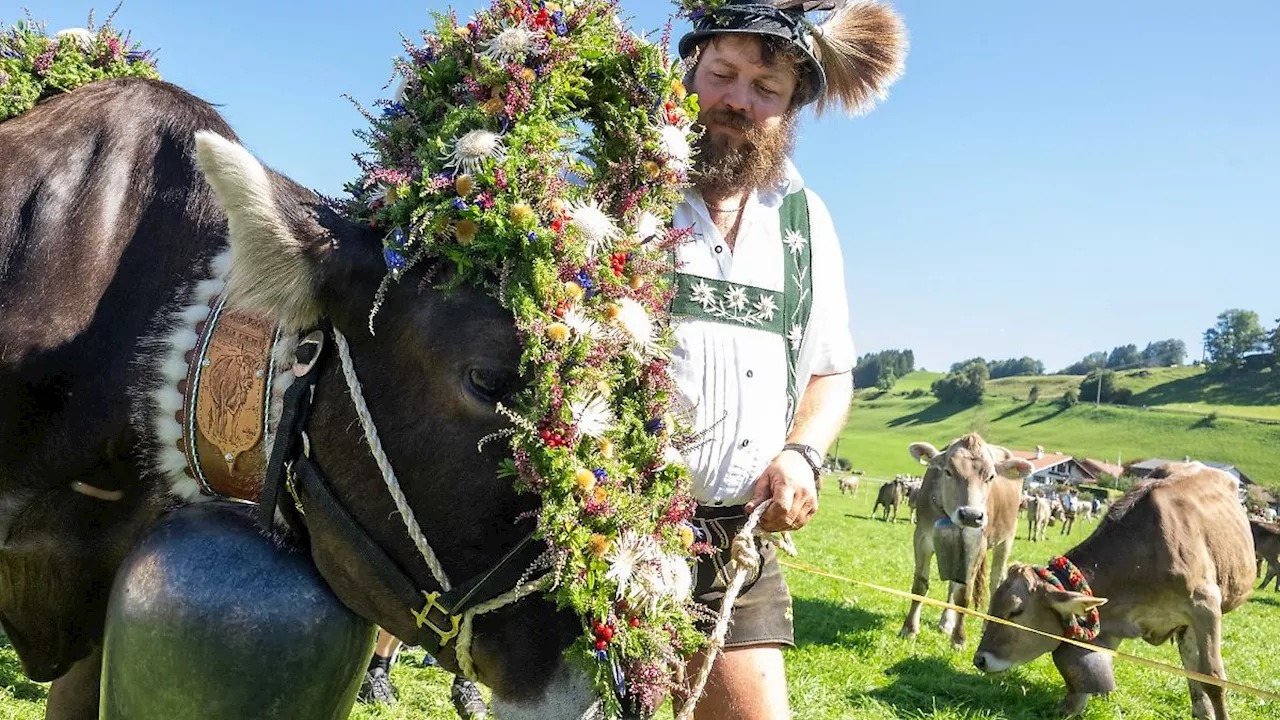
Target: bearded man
x: 764, y: 356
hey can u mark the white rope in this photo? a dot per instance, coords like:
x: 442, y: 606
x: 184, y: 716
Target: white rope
x: 388, y: 474
x: 744, y: 559
x: 463, y: 649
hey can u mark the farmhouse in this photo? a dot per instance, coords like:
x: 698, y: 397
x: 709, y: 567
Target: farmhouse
x: 1054, y: 468
x: 1102, y: 467
x: 1146, y: 467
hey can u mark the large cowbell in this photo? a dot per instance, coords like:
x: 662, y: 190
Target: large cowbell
x: 958, y: 549
x: 211, y: 619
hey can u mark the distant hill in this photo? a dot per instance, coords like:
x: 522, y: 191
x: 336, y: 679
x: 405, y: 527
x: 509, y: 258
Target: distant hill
x: 881, y: 425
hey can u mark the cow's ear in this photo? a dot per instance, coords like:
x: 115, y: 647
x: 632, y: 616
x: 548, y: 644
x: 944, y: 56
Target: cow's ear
x: 1014, y: 468
x: 1067, y: 603
x: 923, y: 452
x: 271, y: 269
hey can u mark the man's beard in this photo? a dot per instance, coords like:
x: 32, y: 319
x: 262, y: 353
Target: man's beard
x: 727, y: 164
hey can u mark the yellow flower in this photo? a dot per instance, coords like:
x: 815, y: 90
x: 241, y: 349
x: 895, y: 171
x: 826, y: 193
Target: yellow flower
x: 652, y: 170
x: 493, y: 106
x: 612, y: 310
x: 686, y: 536
x: 465, y: 231
x: 528, y: 75
x: 558, y: 332
x: 521, y: 213
x: 585, y: 480
x: 677, y: 88
x: 637, y: 282
x: 393, y: 194
x: 462, y: 31
x: 606, y: 447
x: 601, y: 495
x: 573, y: 290
x: 602, y: 388
x: 464, y: 185
x: 600, y: 545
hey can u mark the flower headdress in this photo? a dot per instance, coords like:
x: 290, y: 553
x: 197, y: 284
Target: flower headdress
x: 35, y: 66
x: 540, y: 149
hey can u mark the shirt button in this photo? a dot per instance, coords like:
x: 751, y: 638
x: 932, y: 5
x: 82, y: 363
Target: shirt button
x: 719, y: 249
x: 746, y: 443
x: 751, y: 373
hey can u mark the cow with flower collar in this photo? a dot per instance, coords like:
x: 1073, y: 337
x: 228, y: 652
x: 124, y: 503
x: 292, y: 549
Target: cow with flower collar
x: 1168, y: 561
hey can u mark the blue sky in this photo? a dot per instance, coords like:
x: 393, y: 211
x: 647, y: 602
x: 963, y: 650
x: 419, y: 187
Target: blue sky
x: 1048, y: 179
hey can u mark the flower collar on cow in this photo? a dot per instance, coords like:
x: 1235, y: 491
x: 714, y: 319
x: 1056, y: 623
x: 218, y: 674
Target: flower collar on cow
x: 35, y: 66
x: 1063, y: 574
x: 540, y: 149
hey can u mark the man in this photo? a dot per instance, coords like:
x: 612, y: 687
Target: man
x: 764, y: 356
x: 1069, y: 507
x: 376, y: 688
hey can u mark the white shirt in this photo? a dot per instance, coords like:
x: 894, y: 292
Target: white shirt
x: 733, y: 379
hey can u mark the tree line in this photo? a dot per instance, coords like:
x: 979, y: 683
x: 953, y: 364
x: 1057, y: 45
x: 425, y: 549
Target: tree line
x: 1161, y: 353
x: 1239, y: 342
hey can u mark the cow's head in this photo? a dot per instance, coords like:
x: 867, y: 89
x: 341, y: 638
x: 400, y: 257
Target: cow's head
x: 1026, y: 599
x: 966, y: 470
x: 432, y: 376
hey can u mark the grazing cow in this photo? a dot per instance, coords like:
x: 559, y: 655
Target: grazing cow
x: 1170, y: 558
x: 890, y: 496
x: 913, y: 499
x: 1038, y: 514
x: 1266, y: 545
x: 849, y: 484
x: 109, y: 230
x: 970, y: 484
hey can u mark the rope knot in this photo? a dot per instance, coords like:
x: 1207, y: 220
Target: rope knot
x: 744, y: 556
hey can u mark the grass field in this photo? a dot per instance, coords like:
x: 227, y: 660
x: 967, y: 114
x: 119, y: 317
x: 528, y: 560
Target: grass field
x: 849, y: 662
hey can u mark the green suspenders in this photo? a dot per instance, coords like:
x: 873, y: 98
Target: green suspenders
x: 783, y: 313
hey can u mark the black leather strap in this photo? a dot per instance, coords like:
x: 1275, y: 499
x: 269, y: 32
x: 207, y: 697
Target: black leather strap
x: 809, y: 453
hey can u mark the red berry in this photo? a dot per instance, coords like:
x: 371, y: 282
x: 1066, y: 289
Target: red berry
x: 635, y: 622
x: 606, y: 633
x: 601, y: 644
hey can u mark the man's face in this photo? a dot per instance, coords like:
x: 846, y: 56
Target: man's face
x: 746, y: 109
x: 732, y: 77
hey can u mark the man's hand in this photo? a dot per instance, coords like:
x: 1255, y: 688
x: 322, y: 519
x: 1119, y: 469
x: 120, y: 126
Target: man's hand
x: 788, y: 481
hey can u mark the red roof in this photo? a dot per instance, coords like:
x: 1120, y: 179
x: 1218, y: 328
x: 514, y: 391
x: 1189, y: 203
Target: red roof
x: 1097, y: 467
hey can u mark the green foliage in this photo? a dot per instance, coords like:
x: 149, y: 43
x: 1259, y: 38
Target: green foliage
x: 35, y: 66
x: 883, y: 369
x: 1014, y: 367
x: 1165, y: 353
x: 1070, y: 397
x: 1091, y: 362
x: 965, y: 385
x: 1101, y: 385
x: 1034, y: 395
x: 1237, y: 333
x: 1124, y: 356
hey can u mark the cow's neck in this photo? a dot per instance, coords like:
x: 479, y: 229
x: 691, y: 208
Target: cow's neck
x: 1095, y: 566
x: 221, y: 377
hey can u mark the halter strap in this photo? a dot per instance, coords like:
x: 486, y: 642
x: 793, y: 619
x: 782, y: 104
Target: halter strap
x: 1064, y: 575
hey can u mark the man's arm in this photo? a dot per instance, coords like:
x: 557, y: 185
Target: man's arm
x: 788, y: 480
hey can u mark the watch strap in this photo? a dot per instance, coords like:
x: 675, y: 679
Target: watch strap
x: 810, y: 455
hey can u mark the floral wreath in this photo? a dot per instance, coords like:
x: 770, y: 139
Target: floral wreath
x: 1062, y: 574
x: 540, y: 149
x: 35, y: 66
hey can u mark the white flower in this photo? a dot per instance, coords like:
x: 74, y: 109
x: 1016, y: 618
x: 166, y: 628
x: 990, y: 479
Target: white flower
x: 593, y: 416
x: 675, y: 143
x: 510, y: 45
x: 378, y: 195
x: 766, y: 306
x: 736, y: 298
x: 472, y: 149
x: 82, y: 36
x: 704, y: 294
x: 635, y: 321
x: 628, y: 554
x: 594, y: 225
x: 665, y: 578
x: 794, y: 240
x: 796, y: 336
x: 647, y: 226
x: 580, y: 324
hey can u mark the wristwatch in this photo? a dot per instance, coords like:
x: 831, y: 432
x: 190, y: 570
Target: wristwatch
x: 810, y: 455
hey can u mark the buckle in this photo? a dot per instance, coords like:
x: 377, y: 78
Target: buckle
x: 420, y: 617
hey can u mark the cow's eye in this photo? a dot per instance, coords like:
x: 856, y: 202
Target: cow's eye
x: 491, y: 385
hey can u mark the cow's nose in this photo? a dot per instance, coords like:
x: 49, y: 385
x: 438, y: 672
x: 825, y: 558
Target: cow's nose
x: 971, y: 516
x: 980, y: 661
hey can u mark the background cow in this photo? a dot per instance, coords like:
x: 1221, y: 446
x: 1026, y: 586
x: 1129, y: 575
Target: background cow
x: 889, y: 496
x: 849, y: 484
x: 970, y: 484
x: 1171, y: 557
x: 1038, y: 512
x: 1266, y: 546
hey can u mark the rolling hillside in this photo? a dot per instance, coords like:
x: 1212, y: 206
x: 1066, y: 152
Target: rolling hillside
x: 882, y: 425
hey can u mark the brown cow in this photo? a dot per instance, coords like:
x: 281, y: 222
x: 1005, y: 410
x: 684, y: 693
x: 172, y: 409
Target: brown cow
x: 1038, y: 512
x: 849, y: 484
x: 890, y: 496
x: 972, y: 485
x: 1168, y: 560
x: 1266, y: 545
